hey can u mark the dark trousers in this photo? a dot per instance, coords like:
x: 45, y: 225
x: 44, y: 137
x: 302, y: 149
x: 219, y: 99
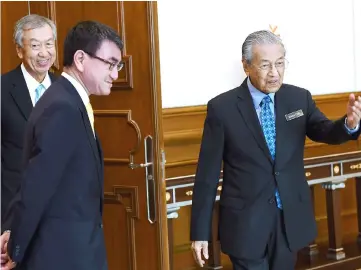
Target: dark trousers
x: 277, y: 254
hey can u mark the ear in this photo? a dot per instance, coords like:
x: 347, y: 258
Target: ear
x: 79, y: 57
x: 245, y: 67
x: 19, y: 51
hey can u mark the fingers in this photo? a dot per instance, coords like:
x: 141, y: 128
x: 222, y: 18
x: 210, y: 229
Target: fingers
x: 6, y: 263
x: 352, y: 98
x: 4, y: 246
x: 195, y: 257
x: 8, y: 266
x: 205, y: 250
x: 357, y: 102
x: 5, y: 267
x: 353, y: 111
x: 197, y: 253
x: 4, y: 238
x: 356, y: 108
x: 4, y: 259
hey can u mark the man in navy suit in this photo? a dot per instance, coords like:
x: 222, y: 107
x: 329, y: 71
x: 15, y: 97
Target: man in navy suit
x: 58, y: 219
x: 21, y: 88
x: 258, y: 130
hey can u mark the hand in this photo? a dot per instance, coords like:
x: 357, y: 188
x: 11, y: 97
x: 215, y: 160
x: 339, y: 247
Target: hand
x: 4, y: 239
x: 6, y: 263
x: 353, y: 111
x: 197, y: 247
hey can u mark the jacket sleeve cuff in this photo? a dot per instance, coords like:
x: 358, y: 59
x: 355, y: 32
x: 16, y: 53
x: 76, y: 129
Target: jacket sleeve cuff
x: 351, y: 131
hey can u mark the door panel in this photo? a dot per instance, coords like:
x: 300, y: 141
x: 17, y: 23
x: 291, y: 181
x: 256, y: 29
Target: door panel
x: 10, y: 12
x: 123, y: 120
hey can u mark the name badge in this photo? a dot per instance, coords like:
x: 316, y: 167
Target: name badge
x: 294, y: 115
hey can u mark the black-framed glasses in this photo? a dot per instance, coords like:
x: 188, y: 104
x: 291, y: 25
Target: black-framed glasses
x: 112, y: 65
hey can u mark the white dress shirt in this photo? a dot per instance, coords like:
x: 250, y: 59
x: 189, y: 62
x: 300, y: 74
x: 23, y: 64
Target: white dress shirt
x: 32, y: 84
x: 82, y: 92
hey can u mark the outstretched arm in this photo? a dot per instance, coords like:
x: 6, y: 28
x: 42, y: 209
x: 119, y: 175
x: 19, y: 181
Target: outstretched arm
x: 321, y: 129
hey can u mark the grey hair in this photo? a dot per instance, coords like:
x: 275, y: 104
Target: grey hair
x: 28, y: 22
x: 258, y: 37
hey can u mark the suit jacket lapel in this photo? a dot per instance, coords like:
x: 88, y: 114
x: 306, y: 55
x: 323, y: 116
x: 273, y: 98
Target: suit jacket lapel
x: 53, y: 77
x: 93, y: 144
x: 246, y: 108
x: 101, y: 177
x: 20, y: 94
x: 87, y: 125
x: 100, y: 155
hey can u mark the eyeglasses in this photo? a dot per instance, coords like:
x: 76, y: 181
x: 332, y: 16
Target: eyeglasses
x: 112, y: 65
x: 279, y: 65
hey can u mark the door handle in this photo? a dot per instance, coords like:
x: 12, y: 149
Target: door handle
x: 149, y: 177
x: 141, y: 165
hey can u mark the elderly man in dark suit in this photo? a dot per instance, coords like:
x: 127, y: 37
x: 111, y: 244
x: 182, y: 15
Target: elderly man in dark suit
x: 21, y: 88
x: 258, y: 130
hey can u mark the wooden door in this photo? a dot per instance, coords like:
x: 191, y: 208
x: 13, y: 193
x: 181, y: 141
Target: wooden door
x: 135, y: 207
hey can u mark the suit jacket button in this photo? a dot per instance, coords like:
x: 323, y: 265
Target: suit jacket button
x: 277, y: 173
x: 271, y: 201
x: 101, y: 226
x: 17, y: 250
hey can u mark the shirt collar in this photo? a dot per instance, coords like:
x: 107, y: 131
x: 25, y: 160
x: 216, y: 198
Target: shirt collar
x: 257, y: 95
x: 31, y: 83
x: 79, y: 88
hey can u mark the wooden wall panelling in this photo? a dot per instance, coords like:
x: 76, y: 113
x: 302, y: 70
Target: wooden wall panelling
x: 358, y: 203
x: 10, y: 12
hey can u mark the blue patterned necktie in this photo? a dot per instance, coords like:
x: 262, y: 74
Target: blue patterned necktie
x: 269, y: 131
x: 39, y: 92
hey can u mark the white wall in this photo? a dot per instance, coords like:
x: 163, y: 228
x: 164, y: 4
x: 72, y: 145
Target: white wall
x: 357, y: 36
x: 200, y: 45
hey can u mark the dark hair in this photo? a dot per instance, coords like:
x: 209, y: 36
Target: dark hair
x: 88, y: 36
